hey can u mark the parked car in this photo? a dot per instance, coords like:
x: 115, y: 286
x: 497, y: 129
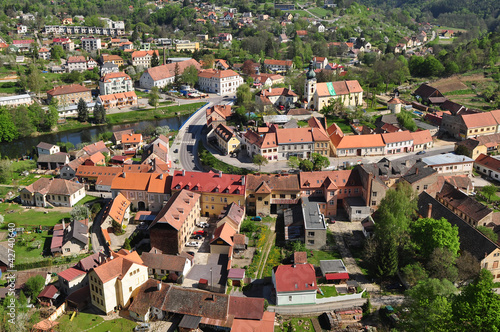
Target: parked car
x: 142, y: 328
x: 421, y: 152
x: 257, y: 218
x: 192, y: 253
x: 197, y: 237
x: 195, y: 244
x: 200, y: 232
x: 203, y: 224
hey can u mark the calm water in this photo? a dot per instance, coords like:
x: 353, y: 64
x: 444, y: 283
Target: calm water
x: 17, y: 148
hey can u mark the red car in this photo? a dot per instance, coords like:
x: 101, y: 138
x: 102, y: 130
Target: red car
x: 200, y: 232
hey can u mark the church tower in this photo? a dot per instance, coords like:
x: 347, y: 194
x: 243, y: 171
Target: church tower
x: 310, y: 85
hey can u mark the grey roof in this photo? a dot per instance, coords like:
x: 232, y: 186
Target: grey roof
x: 332, y: 266
x: 6, y: 98
x: 46, y: 146
x: 291, y: 124
x: 190, y: 322
x: 313, y: 219
x: 60, y: 158
x: 276, y: 118
x: 387, y: 168
x: 471, y: 239
x: 76, y: 230
x: 109, y: 65
x: 418, y: 172
x: 447, y: 158
x: 4, y: 255
x: 424, y: 125
x: 355, y: 201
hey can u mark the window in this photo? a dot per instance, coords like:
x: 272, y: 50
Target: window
x: 374, y: 194
x: 213, y: 207
x: 273, y: 195
x: 374, y: 203
x: 282, y: 195
x: 290, y: 299
x: 495, y: 264
x: 358, y: 211
x: 310, y: 241
x: 418, y: 187
x: 310, y: 233
x: 266, y: 202
x: 425, y: 187
x: 67, y: 249
x: 259, y: 199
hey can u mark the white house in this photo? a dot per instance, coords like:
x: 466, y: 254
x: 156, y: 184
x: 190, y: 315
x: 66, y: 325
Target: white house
x: 115, y: 83
x: 17, y: 100
x: 450, y: 163
x: 166, y: 265
x: 397, y: 142
x: 57, y: 192
x: 221, y: 82
x: 163, y: 75
x: 488, y: 166
x: 295, y: 284
x: 90, y: 44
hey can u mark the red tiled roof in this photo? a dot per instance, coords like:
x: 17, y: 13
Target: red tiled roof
x: 109, y: 76
x: 212, y: 73
x: 272, y: 62
x: 421, y: 137
x: 48, y: 292
x: 118, y: 208
x: 337, y: 276
x: 165, y: 71
x: 208, y: 182
x: 150, y: 182
x: 118, y: 266
x: 71, y: 273
x: 399, y: 136
x: 177, y: 209
x: 224, y: 233
x: 290, y: 278
x: 340, y: 88
x: 75, y: 59
x: 476, y: 120
x: 67, y: 89
x: 142, y: 54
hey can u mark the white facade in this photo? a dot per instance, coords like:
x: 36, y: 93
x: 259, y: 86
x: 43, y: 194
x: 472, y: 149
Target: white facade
x: 80, y: 66
x: 91, y: 44
x: 219, y: 84
x: 110, y: 85
x: 398, y: 147
x: 15, y: 101
x: 450, y: 163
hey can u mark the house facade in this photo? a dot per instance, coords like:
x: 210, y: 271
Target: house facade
x: 221, y: 82
x: 163, y: 75
x: 227, y: 140
x: 57, y: 192
x: 450, y: 163
x: 70, y: 94
x: 76, y: 63
x: 115, y: 83
x: 90, y: 44
x: 143, y: 58
x: 295, y: 284
x: 278, y: 66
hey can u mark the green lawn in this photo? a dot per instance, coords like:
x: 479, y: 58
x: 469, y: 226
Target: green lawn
x: 320, y: 12
x: 9, y: 88
x: 328, y: 291
x: 94, y: 323
x: 88, y: 199
x: 302, y: 13
x: 25, y: 218
x: 318, y: 255
x: 342, y: 123
x: 297, y: 324
x: 29, y: 247
x: 274, y: 259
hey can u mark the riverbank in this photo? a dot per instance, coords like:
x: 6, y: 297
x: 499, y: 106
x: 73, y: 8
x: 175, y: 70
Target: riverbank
x: 145, y: 114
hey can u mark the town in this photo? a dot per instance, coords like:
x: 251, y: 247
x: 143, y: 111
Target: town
x: 205, y: 166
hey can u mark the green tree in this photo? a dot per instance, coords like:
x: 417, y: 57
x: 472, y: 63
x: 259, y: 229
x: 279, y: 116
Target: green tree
x: 293, y: 162
x: 177, y: 76
x: 117, y: 228
x: 34, y: 286
x: 468, y: 267
x: 413, y: 273
x: 462, y: 150
x: 154, y: 97
x: 163, y: 130
x: 489, y: 191
x: 83, y: 112
x: 99, y: 114
x: 441, y: 264
x: 80, y: 212
x: 244, y: 95
x: 428, y: 234
x: 155, y: 60
x: 190, y: 75
x: 208, y: 61
x: 5, y: 171
x: 57, y: 53
x: 429, y: 306
x: 8, y: 130
x: 319, y: 161
x: 489, y: 233
x: 306, y: 165
x: 126, y: 244
x: 259, y: 160
x: 406, y: 120
x: 35, y: 79
x: 476, y: 308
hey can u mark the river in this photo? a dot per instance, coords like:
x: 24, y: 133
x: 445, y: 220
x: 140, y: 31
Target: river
x: 18, y: 148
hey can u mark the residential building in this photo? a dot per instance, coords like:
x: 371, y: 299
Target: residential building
x: 115, y: 83
x: 330, y: 188
x: 264, y: 144
x: 349, y: 92
x: 157, y: 149
x: 481, y: 247
x: 91, y: 64
x: 67, y: 44
x: 91, y: 175
x: 232, y: 215
x: 222, y: 241
x: 23, y: 45
x: 221, y: 82
x: 471, y: 124
x: 187, y: 46
x: 143, y: 58
x: 278, y: 66
x: 90, y: 44
x: 217, y: 190
x: 120, y: 99
x: 422, y: 140
x: 488, y: 166
x: 421, y: 178
x: 92, y: 148
x: 113, y: 283
x: 145, y: 191
x: 218, y: 114
x: 118, y: 210
x: 163, y: 75
x: 70, y: 94
x: 76, y: 63
x: 109, y: 67
x: 131, y: 142
x: 97, y: 159
x: 271, y: 193
x: 149, y: 300
x: 52, y: 161
x: 175, y: 223
x: 68, y: 171
x: 46, y: 148
x: 397, y: 142
x: 44, y: 53
x: 226, y: 139
x: 302, y: 142
x: 464, y: 206
x: 116, y: 59
x: 76, y: 239
x: 71, y: 279
x: 275, y: 97
x: 320, y: 62
x: 313, y: 222
x: 57, y: 192
x: 450, y: 163
x: 161, y: 265
x: 17, y: 100
x: 334, y: 270
x: 295, y: 284
x: 480, y: 145
x: 266, y: 80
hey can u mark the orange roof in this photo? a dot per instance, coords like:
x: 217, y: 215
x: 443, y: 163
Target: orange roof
x: 97, y: 157
x: 266, y: 324
x: 142, y: 54
x: 74, y: 59
x: 165, y: 71
x: 118, y: 266
x: 118, y: 208
x: 210, y: 182
x: 177, y: 209
x: 150, y: 182
x: 222, y: 62
x: 94, y: 171
x: 301, y: 33
x: 353, y: 141
x: 43, y: 50
x: 481, y: 119
x: 132, y: 138
x: 224, y: 132
x: 272, y: 62
x: 109, y: 76
x: 119, y: 95
x: 330, y: 179
x: 67, y: 89
x: 223, y: 110
x: 111, y: 57
x: 212, y: 73
x: 398, y: 136
x: 225, y: 233
x: 277, y: 92
x: 106, y: 234
x: 339, y: 88
x: 299, y: 135
x: 421, y: 137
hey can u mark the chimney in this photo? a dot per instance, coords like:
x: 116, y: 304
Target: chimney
x: 270, y: 89
x: 100, y: 259
x: 159, y: 285
x: 220, y: 174
x: 429, y: 210
x: 164, y: 57
x: 124, y: 174
x: 183, y: 172
x: 153, y: 164
x: 243, y: 180
x: 161, y: 176
x: 416, y: 171
x: 290, y: 87
x: 64, y: 225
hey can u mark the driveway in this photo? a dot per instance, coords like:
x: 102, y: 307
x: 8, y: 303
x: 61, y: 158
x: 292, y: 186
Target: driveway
x: 218, y: 276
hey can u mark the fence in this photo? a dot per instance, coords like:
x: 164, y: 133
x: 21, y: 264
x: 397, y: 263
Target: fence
x: 340, y: 298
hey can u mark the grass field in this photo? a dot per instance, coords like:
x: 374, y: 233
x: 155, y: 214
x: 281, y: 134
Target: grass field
x: 328, y: 291
x: 9, y: 88
x: 296, y: 324
x: 26, y: 218
x: 29, y: 247
x: 88, y: 199
x: 94, y: 323
x: 318, y: 255
x: 151, y: 114
x: 274, y: 259
x: 320, y: 12
x: 302, y: 13
x: 342, y: 123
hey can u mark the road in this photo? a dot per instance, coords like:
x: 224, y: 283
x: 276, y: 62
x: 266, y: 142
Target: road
x: 97, y: 238
x: 185, y: 146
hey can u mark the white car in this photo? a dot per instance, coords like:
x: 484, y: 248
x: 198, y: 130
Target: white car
x: 193, y: 244
x: 203, y: 225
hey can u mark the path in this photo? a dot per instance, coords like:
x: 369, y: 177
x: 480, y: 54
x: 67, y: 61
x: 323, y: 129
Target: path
x: 263, y: 260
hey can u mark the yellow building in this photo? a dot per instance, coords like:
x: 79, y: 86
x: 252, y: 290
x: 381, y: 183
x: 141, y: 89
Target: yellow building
x: 271, y: 193
x: 226, y: 139
x: 217, y: 190
x: 189, y: 46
